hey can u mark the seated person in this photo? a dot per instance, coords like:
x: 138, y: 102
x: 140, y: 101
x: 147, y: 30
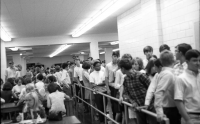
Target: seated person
x: 6, y: 92
x: 55, y: 101
x: 16, y: 90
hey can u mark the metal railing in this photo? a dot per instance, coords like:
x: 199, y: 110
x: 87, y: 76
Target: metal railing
x: 126, y: 105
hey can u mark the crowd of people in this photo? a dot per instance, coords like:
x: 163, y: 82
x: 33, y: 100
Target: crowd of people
x: 168, y: 85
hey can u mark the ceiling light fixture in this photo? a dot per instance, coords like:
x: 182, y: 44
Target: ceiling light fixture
x: 4, y: 35
x: 116, y: 50
x: 14, y: 49
x: 20, y: 54
x: 59, y: 50
x: 102, y: 14
x: 114, y: 42
x: 82, y: 52
x: 102, y: 53
x: 112, y: 50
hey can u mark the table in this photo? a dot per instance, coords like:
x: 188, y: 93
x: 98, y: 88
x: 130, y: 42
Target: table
x: 10, y: 107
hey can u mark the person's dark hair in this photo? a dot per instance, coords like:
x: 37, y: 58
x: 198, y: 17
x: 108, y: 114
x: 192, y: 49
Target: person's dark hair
x: 51, y: 70
x: 90, y: 58
x: 64, y: 65
x: 157, y: 63
x: 11, y: 81
x: 148, y: 49
x: 183, y: 48
x: 154, y: 56
x: 86, y: 65
x: 167, y: 58
x: 164, y: 47
x: 27, y: 80
x: 40, y: 77
x: 7, y: 86
x: 116, y: 53
x: 47, y: 68
x: 140, y: 63
x: 1, y: 81
x: 52, y: 79
x: 127, y: 56
x: 95, y: 63
x: 19, y: 78
x: 52, y: 87
x: 72, y: 63
x: 99, y: 60
x: 57, y: 68
x: 126, y: 64
x: 192, y: 54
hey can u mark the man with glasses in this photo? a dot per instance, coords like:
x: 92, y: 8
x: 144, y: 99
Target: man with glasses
x: 180, y: 51
x: 10, y: 71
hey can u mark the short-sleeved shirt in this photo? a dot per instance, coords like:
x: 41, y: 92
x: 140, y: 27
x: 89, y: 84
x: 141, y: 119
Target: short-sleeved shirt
x: 97, y: 77
x: 17, y: 88
x: 179, y: 68
x: 109, y: 72
x: 119, y: 79
x: 78, y: 72
x: 10, y: 72
x: 57, y: 101
x: 187, y: 89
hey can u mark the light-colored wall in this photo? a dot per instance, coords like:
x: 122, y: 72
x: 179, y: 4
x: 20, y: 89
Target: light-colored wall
x: 154, y: 22
x: 178, y: 19
x: 3, y: 60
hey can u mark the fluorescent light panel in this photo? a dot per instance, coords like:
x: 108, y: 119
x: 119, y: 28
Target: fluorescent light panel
x: 102, y: 14
x: 4, y: 35
x: 114, y: 42
x: 112, y: 50
x: 59, y: 50
x: 14, y: 48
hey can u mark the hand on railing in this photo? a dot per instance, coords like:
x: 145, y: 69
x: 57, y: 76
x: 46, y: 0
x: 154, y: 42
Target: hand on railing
x: 120, y: 100
x: 142, y: 107
x: 160, y: 117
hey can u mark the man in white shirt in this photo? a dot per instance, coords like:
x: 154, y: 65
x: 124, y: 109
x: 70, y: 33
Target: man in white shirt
x: 10, y: 71
x: 78, y: 77
x: 164, y: 94
x: 109, y: 74
x: 65, y: 79
x: 97, y: 79
x: 180, y: 51
x: 187, y: 89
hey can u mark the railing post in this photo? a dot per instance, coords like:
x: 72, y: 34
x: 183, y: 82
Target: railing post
x: 126, y: 114
x: 91, y: 102
x: 104, y: 106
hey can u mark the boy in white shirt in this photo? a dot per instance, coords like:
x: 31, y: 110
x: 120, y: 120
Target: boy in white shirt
x: 187, y: 89
x: 97, y: 79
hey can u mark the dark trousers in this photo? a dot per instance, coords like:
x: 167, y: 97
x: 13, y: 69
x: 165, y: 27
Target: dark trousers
x: 99, y: 103
x: 143, y: 118
x: 173, y: 114
x: 78, y: 91
x: 114, y: 104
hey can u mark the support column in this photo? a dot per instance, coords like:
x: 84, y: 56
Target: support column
x: 108, y: 55
x: 3, y: 60
x: 94, y: 50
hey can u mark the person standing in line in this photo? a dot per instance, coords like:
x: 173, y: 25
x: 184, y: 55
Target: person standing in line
x: 18, y: 71
x: 187, y: 89
x: 10, y: 71
x: 135, y: 86
x: 164, y: 95
x: 180, y: 51
x: 85, y: 75
x: 109, y: 74
x: 66, y: 79
x: 97, y: 80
